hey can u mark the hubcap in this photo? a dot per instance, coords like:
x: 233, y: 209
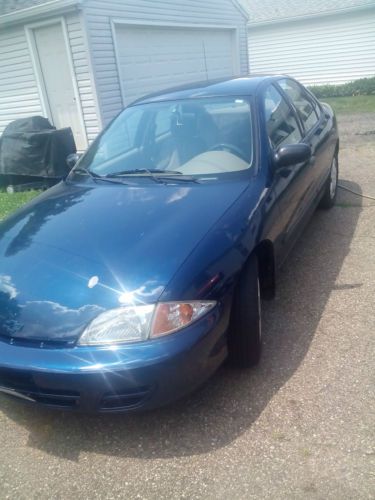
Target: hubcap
x: 333, y: 183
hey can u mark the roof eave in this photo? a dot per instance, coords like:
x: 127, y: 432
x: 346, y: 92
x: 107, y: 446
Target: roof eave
x: 39, y: 11
x: 256, y: 24
x: 242, y: 10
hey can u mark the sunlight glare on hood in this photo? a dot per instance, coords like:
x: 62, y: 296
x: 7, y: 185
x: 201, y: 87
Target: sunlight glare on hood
x: 93, y: 281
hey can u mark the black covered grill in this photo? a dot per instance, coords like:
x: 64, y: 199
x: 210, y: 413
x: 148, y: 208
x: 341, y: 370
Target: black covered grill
x: 31, y: 150
x: 22, y: 385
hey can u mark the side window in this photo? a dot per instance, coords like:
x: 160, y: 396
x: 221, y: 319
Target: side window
x: 304, y: 105
x: 282, y: 126
x: 318, y: 111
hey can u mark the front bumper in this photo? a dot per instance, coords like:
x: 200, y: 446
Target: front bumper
x: 116, y: 378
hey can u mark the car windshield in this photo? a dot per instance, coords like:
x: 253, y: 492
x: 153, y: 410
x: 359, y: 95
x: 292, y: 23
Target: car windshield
x: 190, y: 137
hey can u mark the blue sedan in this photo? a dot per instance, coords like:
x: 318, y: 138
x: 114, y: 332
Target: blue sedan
x: 126, y: 285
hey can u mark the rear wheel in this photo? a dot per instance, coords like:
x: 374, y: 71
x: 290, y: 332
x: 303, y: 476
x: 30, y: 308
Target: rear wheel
x: 245, y: 335
x: 330, y: 189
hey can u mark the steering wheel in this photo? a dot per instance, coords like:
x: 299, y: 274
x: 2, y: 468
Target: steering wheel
x: 231, y: 148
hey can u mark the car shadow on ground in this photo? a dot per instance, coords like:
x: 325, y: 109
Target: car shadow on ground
x: 229, y: 403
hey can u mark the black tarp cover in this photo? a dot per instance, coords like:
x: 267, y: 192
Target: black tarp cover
x: 33, y: 147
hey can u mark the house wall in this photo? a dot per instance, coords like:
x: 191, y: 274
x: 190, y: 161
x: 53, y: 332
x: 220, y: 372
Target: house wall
x: 98, y: 15
x: 332, y: 49
x: 19, y: 93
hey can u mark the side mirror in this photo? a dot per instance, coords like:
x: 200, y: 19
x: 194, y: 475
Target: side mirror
x: 292, y: 154
x: 72, y: 159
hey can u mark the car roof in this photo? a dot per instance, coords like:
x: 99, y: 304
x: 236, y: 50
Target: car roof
x: 242, y: 85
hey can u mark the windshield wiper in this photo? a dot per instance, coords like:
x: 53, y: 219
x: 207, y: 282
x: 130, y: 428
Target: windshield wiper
x: 142, y: 171
x: 134, y: 173
x: 93, y: 175
x: 179, y: 178
x: 161, y: 175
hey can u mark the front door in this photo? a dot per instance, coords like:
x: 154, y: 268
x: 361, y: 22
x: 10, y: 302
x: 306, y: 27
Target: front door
x: 315, y: 132
x: 290, y: 184
x: 57, y: 78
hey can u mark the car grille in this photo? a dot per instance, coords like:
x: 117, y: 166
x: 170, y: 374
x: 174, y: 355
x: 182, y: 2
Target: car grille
x: 37, y: 343
x: 21, y: 385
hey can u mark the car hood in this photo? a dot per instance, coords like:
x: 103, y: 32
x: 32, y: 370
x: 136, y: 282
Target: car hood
x: 79, y: 249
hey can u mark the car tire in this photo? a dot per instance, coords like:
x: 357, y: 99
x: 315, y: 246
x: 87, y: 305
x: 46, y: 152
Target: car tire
x: 245, y: 331
x: 330, y: 188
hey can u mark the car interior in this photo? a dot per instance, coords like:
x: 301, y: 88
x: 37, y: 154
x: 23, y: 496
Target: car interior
x: 203, y: 142
x: 191, y: 138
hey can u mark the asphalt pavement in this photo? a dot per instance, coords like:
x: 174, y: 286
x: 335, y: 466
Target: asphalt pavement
x: 300, y: 426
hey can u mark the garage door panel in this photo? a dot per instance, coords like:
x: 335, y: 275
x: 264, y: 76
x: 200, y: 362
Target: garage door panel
x: 151, y: 59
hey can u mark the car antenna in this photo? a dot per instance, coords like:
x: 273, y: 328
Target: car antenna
x: 205, y: 59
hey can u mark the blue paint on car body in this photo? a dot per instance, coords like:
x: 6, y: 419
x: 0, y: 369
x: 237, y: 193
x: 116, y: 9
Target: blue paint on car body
x: 93, y: 244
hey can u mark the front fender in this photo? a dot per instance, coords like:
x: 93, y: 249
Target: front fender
x: 212, y: 268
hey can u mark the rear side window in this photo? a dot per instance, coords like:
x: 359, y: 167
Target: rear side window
x: 282, y: 126
x: 304, y: 105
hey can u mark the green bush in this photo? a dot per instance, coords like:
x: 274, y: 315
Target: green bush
x: 363, y: 86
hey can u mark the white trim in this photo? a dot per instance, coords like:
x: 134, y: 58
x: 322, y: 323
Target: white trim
x: 142, y: 22
x: 29, y: 30
x: 242, y: 9
x: 117, y: 59
x: 236, y: 57
x: 87, y: 44
x: 38, y: 73
x: 74, y: 80
x: 38, y: 10
x: 161, y: 24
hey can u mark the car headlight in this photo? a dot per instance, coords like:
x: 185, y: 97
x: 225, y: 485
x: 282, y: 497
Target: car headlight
x: 137, y: 323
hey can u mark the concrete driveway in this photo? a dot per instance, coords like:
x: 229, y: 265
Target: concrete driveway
x: 299, y: 426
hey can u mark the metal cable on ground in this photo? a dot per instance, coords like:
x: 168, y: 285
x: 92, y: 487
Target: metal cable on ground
x: 356, y: 193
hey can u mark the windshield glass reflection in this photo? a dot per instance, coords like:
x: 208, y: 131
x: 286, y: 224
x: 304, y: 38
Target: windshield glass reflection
x: 191, y: 137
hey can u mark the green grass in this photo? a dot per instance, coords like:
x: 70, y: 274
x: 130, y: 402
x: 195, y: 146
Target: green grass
x: 354, y: 104
x: 10, y: 202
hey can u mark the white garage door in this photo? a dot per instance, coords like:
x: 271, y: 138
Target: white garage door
x: 154, y: 58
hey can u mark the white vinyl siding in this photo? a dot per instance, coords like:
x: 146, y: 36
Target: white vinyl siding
x: 332, y: 49
x: 189, y: 12
x: 19, y: 95
x: 91, y: 46
x: 81, y: 65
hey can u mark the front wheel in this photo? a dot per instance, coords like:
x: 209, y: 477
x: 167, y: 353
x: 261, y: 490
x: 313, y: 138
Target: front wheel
x: 245, y: 332
x: 330, y: 188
